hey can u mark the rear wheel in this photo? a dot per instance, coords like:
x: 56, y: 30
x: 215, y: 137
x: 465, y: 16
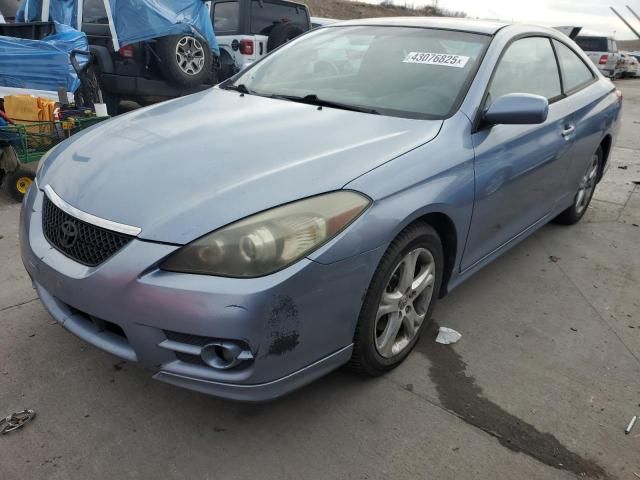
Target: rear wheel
x: 186, y: 60
x: 399, y: 301
x: 226, y: 68
x: 584, y: 195
x: 18, y: 182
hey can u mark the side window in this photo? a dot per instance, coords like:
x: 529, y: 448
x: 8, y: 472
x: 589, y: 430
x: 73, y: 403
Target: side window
x: 265, y: 15
x: 93, y: 11
x: 226, y: 17
x: 528, y: 66
x: 574, y: 71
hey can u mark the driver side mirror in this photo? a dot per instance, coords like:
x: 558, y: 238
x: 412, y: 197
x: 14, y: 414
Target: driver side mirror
x: 518, y: 109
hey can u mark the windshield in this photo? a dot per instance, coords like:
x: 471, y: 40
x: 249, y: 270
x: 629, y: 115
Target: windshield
x: 399, y: 71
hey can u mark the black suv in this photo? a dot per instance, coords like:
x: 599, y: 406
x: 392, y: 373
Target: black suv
x: 177, y: 65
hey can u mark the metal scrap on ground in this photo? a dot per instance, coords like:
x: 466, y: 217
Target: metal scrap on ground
x: 16, y: 421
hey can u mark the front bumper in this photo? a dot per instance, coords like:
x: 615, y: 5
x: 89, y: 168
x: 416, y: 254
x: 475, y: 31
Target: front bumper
x: 298, y: 324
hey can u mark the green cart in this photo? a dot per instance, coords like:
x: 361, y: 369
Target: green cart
x: 22, y: 147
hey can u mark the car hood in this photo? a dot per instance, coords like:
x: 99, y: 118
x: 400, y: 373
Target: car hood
x: 181, y: 169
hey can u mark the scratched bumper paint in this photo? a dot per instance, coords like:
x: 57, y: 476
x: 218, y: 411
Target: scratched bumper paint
x: 278, y: 316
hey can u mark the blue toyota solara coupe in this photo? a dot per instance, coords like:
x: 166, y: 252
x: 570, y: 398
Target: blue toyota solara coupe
x: 308, y: 212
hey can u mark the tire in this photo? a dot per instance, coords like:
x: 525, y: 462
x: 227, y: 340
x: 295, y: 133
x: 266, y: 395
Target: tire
x: 281, y: 34
x: 113, y: 103
x: 227, y: 68
x: 18, y: 182
x: 185, y: 60
x: 370, y: 357
x: 584, y: 195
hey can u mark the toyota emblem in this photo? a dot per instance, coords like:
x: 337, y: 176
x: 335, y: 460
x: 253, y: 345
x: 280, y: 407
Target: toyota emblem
x: 68, y: 234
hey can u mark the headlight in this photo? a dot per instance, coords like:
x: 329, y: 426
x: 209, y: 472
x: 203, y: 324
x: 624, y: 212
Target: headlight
x: 269, y: 241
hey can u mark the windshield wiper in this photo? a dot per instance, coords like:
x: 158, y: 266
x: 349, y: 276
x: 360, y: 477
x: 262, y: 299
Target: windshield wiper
x: 315, y: 100
x: 242, y: 88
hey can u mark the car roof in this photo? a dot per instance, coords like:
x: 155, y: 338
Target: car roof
x: 443, y: 23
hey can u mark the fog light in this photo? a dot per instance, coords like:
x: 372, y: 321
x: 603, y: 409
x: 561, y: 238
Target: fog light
x: 223, y: 356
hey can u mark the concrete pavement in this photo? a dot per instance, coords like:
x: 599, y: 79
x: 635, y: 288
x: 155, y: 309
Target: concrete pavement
x: 541, y: 386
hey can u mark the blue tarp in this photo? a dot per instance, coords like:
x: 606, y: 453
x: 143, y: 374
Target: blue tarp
x: 139, y: 20
x: 64, y: 11
x: 42, y: 64
x: 61, y: 11
x: 29, y: 11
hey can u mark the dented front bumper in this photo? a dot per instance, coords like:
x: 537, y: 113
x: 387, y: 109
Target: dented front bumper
x: 295, y: 325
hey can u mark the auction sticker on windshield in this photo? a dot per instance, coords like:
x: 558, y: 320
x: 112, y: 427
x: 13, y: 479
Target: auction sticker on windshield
x: 443, y: 59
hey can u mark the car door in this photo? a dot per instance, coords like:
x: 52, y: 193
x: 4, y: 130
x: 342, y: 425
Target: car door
x: 578, y: 78
x: 519, y: 168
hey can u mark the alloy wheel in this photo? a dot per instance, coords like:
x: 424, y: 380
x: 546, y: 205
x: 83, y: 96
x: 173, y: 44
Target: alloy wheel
x: 587, y: 185
x: 190, y: 55
x: 405, y: 302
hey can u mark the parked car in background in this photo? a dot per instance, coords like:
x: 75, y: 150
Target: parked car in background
x: 631, y: 65
x: 145, y: 71
x: 248, y: 30
x: 288, y: 225
x: 604, y: 53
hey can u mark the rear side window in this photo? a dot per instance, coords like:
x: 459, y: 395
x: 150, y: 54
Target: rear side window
x: 574, y: 71
x: 264, y: 16
x: 226, y: 17
x: 593, y: 44
x: 93, y: 11
x: 528, y: 66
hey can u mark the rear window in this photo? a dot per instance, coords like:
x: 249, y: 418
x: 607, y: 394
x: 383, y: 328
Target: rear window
x: 264, y: 16
x: 593, y: 44
x: 575, y: 72
x: 226, y: 17
x: 93, y: 11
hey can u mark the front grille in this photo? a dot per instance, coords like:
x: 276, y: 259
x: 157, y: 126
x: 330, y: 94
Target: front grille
x: 101, y: 325
x: 78, y: 240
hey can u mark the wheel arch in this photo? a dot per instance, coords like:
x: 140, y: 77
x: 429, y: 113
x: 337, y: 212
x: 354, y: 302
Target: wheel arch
x: 444, y: 225
x: 103, y: 58
x: 606, y: 144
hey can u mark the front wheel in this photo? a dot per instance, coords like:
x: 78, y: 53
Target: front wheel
x: 584, y: 195
x: 399, y: 301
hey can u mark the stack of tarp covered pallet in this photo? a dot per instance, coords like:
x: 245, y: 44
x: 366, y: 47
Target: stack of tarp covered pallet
x: 41, y: 67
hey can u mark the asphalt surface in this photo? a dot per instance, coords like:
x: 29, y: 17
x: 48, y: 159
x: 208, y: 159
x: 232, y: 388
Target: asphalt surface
x: 541, y: 386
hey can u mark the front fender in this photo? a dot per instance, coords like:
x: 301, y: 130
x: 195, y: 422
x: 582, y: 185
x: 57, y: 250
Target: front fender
x: 437, y: 177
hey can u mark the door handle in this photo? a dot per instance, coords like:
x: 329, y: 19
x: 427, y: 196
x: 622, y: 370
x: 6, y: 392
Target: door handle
x: 568, y: 131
